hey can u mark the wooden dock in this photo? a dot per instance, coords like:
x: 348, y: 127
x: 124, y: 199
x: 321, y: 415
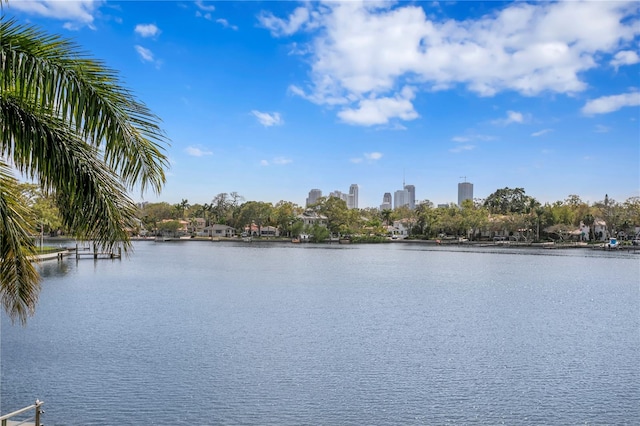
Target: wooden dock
x: 95, y: 254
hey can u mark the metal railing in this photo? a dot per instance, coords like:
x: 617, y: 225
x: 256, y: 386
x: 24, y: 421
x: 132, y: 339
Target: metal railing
x: 5, y: 420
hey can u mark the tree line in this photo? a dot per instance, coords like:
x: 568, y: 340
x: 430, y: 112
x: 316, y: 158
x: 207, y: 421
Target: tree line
x: 507, y: 211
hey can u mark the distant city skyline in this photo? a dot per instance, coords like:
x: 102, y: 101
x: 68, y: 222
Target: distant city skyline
x: 270, y: 99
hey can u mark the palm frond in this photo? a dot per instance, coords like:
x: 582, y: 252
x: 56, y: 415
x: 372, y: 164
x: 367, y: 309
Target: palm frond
x: 58, y: 76
x: 91, y: 199
x: 20, y: 283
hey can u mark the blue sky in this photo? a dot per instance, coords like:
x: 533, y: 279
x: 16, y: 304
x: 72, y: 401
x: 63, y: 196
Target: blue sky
x: 272, y: 99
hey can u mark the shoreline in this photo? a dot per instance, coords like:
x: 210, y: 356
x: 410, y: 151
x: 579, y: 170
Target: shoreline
x: 433, y: 243
x: 430, y: 243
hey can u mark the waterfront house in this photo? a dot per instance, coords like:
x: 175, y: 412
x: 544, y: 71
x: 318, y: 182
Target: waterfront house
x: 269, y: 231
x: 399, y: 229
x: 310, y: 218
x: 219, y: 230
x: 196, y: 226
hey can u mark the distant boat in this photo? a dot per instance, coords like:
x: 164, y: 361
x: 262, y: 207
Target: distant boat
x: 612, y: 244
x: 247, y: 239
x: 295, y: 240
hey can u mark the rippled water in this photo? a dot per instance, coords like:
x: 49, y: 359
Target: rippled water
x: 201, y: 333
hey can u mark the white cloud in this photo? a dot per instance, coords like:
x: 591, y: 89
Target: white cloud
x: 268, y: 119
x: 612, y: 103
x: 278, y: 161
x: 206, y: 7
x: 226, y: 24
x: 625, y: 57
x: 78, y: 13
x: 281, y: 27
x: 512, y: 117
x: 197, y: 152
x: 370, y: 157
x: 206, y: 15
x: 460, y: 139
x: 373, y: 156
x: 381, y: 110
x: 462, y: 148
x: 601, y: 129
x: 541, y: 132
x: 147, y: 30
x: 145, y: 54
x: 282, y: 161
x: 363, y: 52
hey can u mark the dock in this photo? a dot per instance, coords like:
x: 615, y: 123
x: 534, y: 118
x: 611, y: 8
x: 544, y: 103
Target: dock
x: 18, y: 416
x: 95, y: 254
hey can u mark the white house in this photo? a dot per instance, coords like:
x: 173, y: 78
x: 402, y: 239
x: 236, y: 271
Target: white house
x: 399, y: 229
x: 197, y: 226
x: 312, y: 218
x: 219, y: 230
x: 269, y: 231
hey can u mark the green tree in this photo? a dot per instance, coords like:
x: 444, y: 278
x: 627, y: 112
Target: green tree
x: 284, y: 216
x: 386, y: 216
x: 474, y: 218
x: 256, y: 212
x: 507, y: 200
x: 67, y: 123
x: 151, y: 214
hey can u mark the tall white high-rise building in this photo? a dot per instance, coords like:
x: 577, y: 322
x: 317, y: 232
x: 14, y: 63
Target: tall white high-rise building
x: 412, y: 195
x: 465, y: 192
x: 386, y: 202
x: 314, y: 195
x: 352, y: 199
x: 400, y: 198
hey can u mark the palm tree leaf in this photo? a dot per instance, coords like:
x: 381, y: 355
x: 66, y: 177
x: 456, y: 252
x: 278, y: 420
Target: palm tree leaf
x: 20, y: 282
x: 92, y: 201
x: 85, y: 93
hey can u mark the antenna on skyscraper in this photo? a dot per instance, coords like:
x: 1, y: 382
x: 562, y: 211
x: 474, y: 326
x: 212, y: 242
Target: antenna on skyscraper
x: 463, y: 177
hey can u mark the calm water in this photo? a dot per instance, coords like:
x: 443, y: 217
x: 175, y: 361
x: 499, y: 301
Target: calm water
x: 201, y: 333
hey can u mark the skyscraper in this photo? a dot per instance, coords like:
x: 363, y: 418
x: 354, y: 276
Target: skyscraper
x: 352, y: 200
x: 314, y: 194
x: 412, y: 195
x: 339, y: 195
x: 465, y: 192
x: 386, y: 202
x: 400, y: 198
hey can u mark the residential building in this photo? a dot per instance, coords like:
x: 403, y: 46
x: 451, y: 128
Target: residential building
x: 196, y: 226
x: 386, y: 202
x: 218, y: 230
x: 311, y: 218
x: 465, y: 192
x: 352, y: 199
x: 314, y: 195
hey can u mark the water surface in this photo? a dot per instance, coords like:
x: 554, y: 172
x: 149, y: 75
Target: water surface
x: 201, y: 333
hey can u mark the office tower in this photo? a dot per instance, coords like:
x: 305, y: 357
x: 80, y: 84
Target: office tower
x: 386, y: 202
x: 314, y: 195
x: 412, y: 195
x: 352, y: 200
x: 339, y: 195
x: 465, y: 192
x: 400, y: 198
